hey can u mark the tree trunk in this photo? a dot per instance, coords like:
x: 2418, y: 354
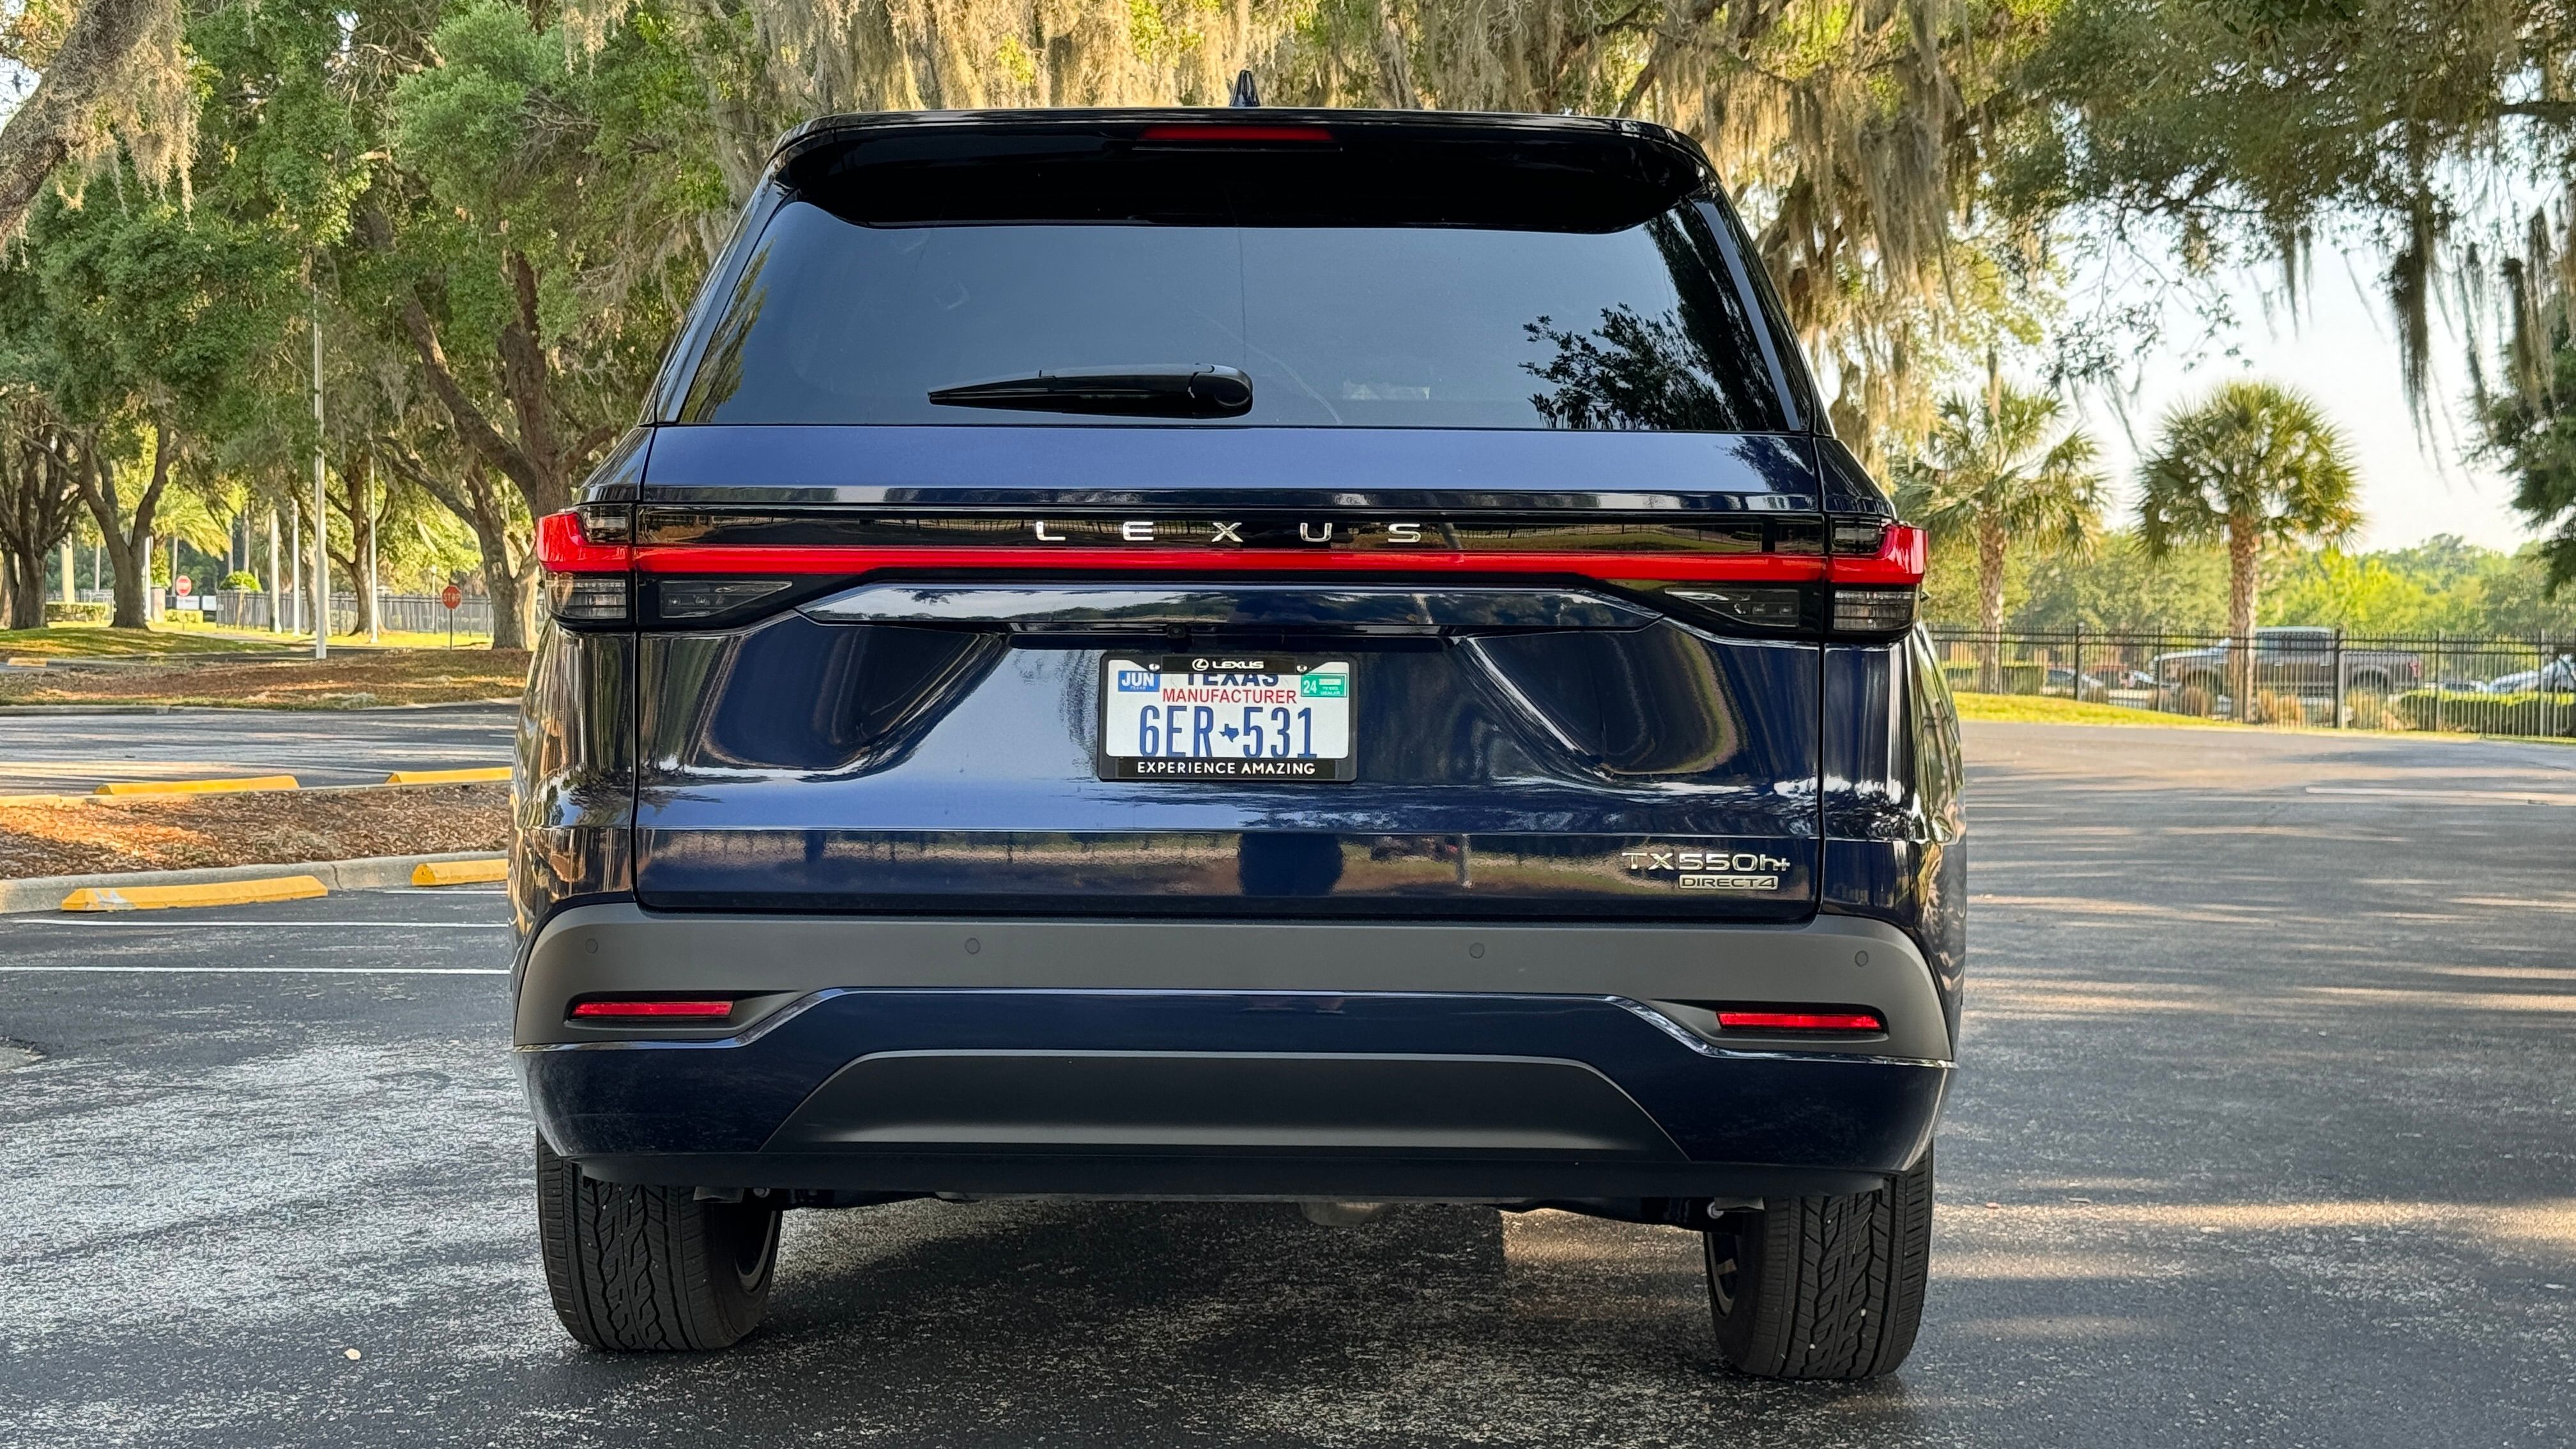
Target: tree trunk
x: 2244, y: 585
x: 128, y: 544
x: 26, y: 590
x: 509, y: 564
x: 357, y: 505
x: 39, y: 500
x: 1991, y: 543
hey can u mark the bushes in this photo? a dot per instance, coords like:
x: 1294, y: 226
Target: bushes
x: 2491, y: 714
x: 241, y: 580
x: 58, y: 612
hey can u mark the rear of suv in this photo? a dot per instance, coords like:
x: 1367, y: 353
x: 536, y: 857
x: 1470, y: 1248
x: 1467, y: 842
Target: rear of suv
x: 1323, y: 657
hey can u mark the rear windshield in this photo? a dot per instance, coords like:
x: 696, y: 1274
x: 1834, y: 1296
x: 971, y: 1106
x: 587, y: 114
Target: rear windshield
x: 1638, y: 324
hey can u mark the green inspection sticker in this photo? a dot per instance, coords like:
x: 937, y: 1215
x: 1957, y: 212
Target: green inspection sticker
x: 1323, y: 686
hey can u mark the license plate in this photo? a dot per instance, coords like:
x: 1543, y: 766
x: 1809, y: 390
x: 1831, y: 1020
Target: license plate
x: 1224, y: 717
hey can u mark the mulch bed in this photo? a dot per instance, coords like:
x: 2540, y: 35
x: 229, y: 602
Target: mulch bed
x: 343, y: 681
x: 266, y: 827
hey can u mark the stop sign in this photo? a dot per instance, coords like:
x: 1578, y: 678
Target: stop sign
x: 181, y: 586
x: 451, y: 596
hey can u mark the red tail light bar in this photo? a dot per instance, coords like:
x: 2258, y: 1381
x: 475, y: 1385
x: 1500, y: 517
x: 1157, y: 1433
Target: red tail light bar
x: 562, y: 547
x: 1801, y: 1018
x: 713, y: 1009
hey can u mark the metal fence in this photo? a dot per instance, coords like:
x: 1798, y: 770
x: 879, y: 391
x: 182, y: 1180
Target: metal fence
x: 415, y: 613
x: 2320, y: 678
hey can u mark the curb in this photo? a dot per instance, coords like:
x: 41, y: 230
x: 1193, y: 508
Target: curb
x: 226, y: 787
x: 208, y: 893
x: 46, y: 892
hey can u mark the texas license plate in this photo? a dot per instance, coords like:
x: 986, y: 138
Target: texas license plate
x: 1225, y: 717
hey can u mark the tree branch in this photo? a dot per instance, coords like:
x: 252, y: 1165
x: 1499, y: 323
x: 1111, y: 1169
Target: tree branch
x: 472, y: 426
x: 523, y: 379
x: 97, y: 58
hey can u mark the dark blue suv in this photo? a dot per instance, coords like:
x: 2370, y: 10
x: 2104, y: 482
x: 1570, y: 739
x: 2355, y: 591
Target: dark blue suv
x: 1327, y: 657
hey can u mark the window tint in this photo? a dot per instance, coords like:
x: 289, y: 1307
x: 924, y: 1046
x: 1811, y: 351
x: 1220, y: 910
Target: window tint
x: 1356, y: 326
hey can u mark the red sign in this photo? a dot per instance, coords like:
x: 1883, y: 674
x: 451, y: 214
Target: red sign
x: 451, y: 596
x: 181, y: 586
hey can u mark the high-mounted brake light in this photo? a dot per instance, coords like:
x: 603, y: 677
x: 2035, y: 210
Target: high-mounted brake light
x: 1237, y: 135
x: 1802, y: 1019
x: 709, y: 1010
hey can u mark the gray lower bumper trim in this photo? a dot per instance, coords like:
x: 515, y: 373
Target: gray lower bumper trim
x: 1829, y: 960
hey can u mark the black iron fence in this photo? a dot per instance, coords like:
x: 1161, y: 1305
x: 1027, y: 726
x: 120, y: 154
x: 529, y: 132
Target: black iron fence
x: 2320, y: 678
x: 413, y: 613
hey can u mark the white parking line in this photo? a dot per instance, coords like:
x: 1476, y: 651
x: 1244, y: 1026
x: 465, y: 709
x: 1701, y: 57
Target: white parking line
x: 2471, y: 797
x: 268, y: 970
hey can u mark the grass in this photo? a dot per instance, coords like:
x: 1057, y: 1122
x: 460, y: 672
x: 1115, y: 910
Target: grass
x: 2041, y: 709
x: 98, y: 641
x: 349, y: 679
x: 261, y: 638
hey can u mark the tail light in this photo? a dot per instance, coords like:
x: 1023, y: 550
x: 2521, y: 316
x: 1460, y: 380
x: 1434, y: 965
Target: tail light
x: 1826, y: 1020
x: 588, y: 563
x: 700, y: 569
x: 708, y: 1011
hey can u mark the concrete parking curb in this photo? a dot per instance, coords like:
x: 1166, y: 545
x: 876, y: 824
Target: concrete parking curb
x: 45, y: 893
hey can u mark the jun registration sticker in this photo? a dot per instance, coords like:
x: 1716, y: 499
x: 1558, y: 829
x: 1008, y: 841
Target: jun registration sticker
x: 1225, y: 717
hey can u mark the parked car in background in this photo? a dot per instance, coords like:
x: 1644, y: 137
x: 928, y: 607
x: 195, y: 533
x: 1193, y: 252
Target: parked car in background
x: 2287, y: 660
x: 2556, y: 675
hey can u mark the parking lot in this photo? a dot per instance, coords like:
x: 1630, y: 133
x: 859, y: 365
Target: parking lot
x: 42, y: 753
x: 2263, y: 1135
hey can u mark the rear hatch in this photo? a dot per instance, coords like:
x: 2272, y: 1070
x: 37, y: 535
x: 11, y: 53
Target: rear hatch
x: 1147, y: 515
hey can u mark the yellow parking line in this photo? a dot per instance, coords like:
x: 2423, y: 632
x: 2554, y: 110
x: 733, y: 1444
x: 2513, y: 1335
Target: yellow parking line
x: 210, y: 893
x: 196, y: 787
x: 24, y: 661
x: 447, y: 777
x: 459, y: 872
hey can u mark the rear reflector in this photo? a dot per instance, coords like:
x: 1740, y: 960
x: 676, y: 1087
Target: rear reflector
x: 686, y: 1010
x: 1807, y: 1020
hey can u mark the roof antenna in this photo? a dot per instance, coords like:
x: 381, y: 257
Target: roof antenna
x: 1245, y: 92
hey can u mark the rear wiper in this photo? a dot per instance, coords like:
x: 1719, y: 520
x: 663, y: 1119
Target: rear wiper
x: 1153, y: 391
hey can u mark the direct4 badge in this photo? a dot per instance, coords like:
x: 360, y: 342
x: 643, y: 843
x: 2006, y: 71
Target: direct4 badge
x: 1323, y: 686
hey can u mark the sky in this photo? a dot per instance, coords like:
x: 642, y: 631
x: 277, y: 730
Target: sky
x: 2340, y: 346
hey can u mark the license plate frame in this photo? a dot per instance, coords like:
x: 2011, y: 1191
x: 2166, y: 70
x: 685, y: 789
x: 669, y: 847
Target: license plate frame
x: 1320, y: 683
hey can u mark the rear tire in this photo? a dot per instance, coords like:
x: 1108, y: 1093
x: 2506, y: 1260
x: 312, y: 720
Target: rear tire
x: 651, y: 1269
x: 1823, y: 1287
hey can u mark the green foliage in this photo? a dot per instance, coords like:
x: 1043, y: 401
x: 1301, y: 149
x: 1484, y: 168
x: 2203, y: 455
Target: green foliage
x: 1996, y: 473
x: 2444, y: 584
x: 242, y: 580
x: 2527, y: 715
x: 2255, y: 459
x: 2531, y: 428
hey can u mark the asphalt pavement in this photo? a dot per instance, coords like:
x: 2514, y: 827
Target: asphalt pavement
x: 2263, y: 1137
x: 58, y: 753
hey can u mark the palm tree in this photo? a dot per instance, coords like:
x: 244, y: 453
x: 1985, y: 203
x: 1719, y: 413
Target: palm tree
x: 1994, y: 473
x: 2250, y: 462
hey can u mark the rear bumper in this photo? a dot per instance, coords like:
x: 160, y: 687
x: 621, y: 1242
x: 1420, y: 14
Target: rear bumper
x: 1121, y: 1058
